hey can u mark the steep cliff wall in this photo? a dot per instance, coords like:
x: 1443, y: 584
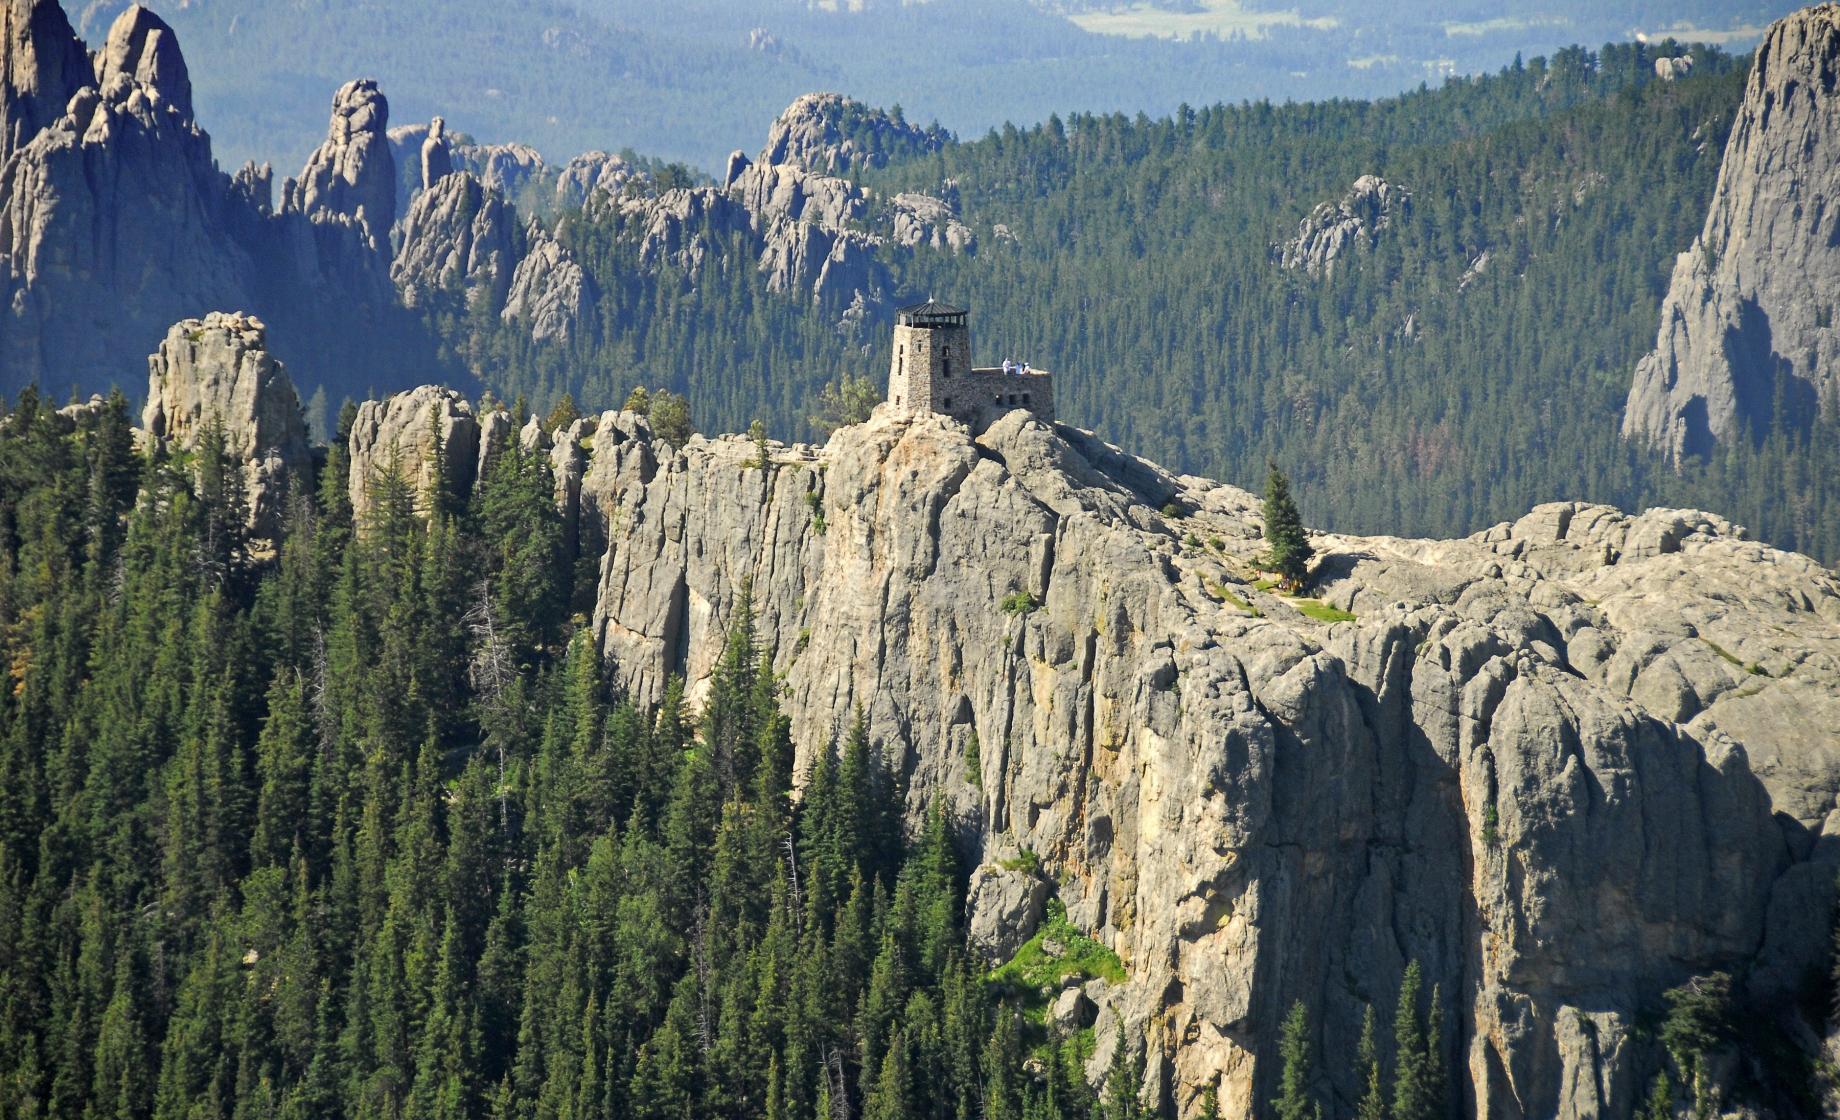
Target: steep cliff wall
x: 1525, y: 763
x: 1747, y: 326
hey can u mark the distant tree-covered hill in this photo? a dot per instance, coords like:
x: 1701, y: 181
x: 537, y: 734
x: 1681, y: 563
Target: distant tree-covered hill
x: 1466, y: 361
x: 685, y: 80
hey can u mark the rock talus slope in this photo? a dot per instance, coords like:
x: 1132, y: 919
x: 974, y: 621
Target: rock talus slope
x: 1748, y: 320
x: 1562, y: 764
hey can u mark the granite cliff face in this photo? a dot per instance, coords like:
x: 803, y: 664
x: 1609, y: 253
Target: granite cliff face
x: 1748, y: 320
x: 1564, y: 764
x: 462, y: 237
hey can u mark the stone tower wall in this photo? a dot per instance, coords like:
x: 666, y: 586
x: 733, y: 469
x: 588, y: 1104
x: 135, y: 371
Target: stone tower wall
x: 923, y: 357
x: 990, y: 393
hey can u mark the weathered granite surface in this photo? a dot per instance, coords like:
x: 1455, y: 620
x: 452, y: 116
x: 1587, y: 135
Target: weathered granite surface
x: 1525, y: 764
x: 1751, y: 303
x: 217, y: 373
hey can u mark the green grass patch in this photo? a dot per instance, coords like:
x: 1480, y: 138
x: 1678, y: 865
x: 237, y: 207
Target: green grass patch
x: 1754, y: 668
x: 1027, y: 861
x: 1225, y: 596
x: 1724, y: 653
x: 1018, y: 602
x: 1265, y: 585
x: 1034, y: 967
x: 816, y: 505
x: 1320, y: 611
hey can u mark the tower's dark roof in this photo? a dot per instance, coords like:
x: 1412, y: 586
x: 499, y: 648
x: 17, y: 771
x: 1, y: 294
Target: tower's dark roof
x: 930, y: 308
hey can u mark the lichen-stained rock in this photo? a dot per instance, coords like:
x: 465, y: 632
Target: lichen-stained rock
x: 1750, y: 306
x: 1252, y: 807
x: 216, y: 372
x: 400, y: 436
x: 461, y: 238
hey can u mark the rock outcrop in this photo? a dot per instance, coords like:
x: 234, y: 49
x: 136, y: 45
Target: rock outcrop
x: 142, y: 48
x: 350, y: 177
x: 113, y: 202
x: 42, y: 65
x: 814, y: 232
x: 461, y: 238
x: 829, y: 133
x: 437, y: 156
x: 593, y: 172
x: 1542, y: 761
x: 506, y: 168
x: 1334, y: 229
x: 1748, y: 320
x: 395, y: 440
x: 1564, y: 764
x: 216, y: 374
x: 551, y: 292
x: 115, y: 221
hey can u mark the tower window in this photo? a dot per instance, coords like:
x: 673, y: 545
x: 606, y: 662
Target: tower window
x: 947, y: 403
x: 1025, y: 399
x: 946, y: 367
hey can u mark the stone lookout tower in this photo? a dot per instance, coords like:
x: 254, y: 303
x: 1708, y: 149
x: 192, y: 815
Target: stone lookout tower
x: 931, y: 371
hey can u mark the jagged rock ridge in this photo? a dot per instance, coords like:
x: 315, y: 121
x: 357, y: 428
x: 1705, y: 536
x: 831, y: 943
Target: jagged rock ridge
x: 1748, y: 320
x: 1564, y: 764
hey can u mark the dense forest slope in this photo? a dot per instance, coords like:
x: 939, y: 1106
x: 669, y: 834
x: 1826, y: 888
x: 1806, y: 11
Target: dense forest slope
x: 684, y: 80
x: 466, y: 790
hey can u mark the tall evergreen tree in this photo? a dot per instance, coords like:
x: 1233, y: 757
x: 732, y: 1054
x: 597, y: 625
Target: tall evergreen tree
x: 1288, y: 548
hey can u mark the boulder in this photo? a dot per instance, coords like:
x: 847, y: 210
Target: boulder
x: 1072, y: 1010
x: 1002, y: 910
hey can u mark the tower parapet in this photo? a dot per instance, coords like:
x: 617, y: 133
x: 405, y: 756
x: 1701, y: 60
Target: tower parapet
x: 931, y: 371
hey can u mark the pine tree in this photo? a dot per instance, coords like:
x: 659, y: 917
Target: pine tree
x: 1372, y: 1105
x: 1417, y: 1060
x: 1293, y: 1101
x: 1288, y: 549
